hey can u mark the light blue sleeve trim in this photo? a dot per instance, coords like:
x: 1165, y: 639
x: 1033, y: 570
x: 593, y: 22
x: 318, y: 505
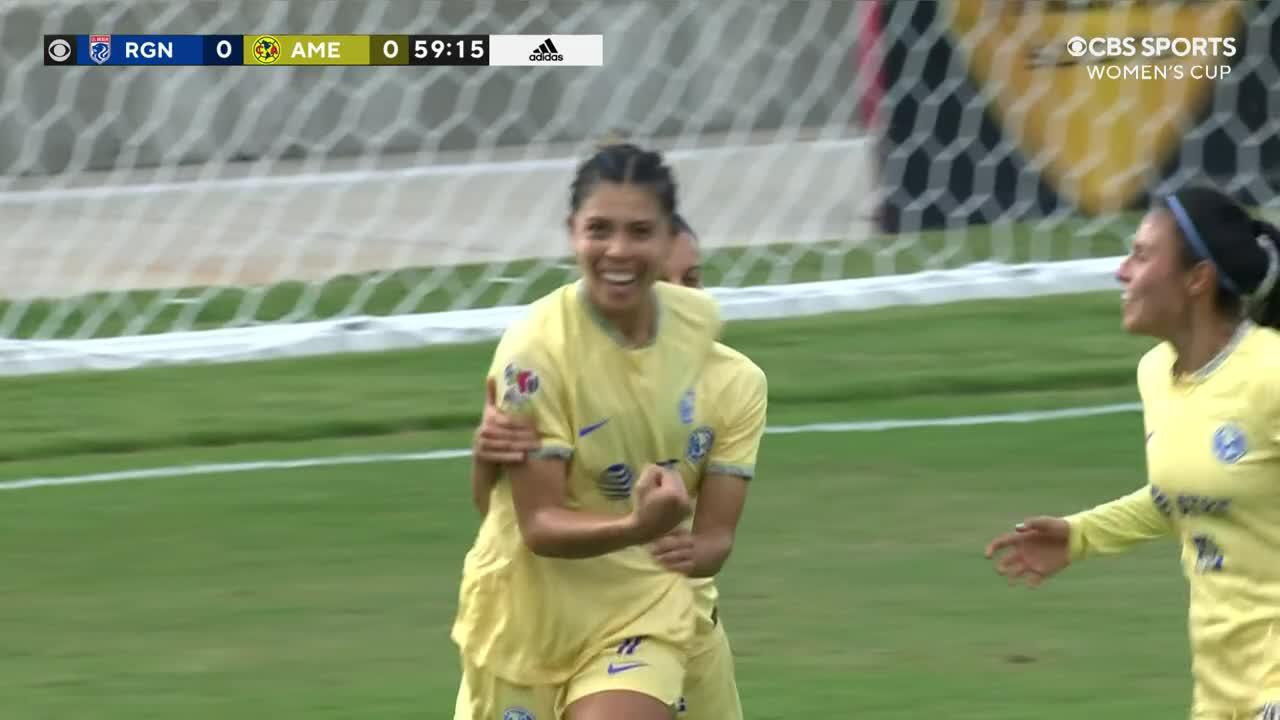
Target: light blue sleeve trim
x: 553, y: 452
x: 746, y: 472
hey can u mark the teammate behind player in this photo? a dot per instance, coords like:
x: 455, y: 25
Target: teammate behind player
x: 1201, y: 277
x: 729, y: 404
x: 563, y: 612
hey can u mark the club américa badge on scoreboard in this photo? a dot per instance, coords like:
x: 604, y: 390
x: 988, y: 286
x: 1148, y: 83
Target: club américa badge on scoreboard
x: 99, y: 48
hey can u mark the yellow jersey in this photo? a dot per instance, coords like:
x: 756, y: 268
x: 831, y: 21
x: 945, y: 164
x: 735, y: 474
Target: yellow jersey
x: 1213, y: 463
x: 609, y: 410
x: 727, y: 411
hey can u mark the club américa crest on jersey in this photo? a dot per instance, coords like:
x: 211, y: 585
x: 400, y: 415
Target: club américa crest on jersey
x: 1229, y: 443
x: 700, y: 442
x: 522, y: 383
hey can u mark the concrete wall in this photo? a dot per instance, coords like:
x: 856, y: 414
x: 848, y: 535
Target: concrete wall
x: 671, y: 69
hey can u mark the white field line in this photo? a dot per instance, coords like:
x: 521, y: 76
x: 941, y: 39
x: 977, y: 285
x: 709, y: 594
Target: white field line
x: 837, y: 427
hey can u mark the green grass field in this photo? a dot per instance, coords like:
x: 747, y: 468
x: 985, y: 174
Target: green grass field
x: 857, y: 589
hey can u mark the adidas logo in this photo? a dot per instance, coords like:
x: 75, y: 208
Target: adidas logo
x: 546, y: 51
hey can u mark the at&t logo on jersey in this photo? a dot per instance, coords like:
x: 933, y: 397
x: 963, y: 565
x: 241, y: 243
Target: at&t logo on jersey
x: 99, y: 48
x: 700, y: 441
x: 616, y: 481
x: 1229, y: 444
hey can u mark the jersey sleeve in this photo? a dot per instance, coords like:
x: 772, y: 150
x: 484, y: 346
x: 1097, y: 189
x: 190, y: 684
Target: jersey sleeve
x: 1272, y: 411
x: 734, y: 452
x: 531, y: 383
x: 1118, y: 525
x: 1122, y: 523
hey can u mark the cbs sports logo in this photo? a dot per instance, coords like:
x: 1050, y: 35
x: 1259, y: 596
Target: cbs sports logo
x: 1105, y: 49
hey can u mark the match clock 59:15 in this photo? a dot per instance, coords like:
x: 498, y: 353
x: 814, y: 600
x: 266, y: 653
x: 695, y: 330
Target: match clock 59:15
x: 448, y: 49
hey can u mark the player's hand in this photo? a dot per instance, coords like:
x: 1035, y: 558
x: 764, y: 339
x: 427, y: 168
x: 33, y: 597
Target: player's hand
x: 1036, y: 550
x: 502, y: 438
x: 674, y: 551
x: 662, y: 502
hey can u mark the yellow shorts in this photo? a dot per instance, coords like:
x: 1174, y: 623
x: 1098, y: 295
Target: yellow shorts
x: 640, y: 665
x: 710, y: 688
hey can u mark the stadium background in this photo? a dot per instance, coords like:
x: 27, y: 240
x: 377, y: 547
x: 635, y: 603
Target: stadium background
x: 282, y: 537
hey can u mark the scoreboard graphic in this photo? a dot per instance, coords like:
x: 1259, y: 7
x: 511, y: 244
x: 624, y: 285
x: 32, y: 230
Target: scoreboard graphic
x: 272, y: 50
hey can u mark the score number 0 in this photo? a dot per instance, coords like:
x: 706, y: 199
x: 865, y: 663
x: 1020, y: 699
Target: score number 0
x: 223, y: 49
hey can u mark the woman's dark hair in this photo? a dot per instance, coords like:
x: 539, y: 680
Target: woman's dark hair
x: 1242, y: 249
x: 628, y: 164
x: 680, y: 225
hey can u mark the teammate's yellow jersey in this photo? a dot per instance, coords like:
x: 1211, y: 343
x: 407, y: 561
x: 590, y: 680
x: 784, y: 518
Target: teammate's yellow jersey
x: 1213, y: 461
x: 728, y: 413
x: 610, y: 410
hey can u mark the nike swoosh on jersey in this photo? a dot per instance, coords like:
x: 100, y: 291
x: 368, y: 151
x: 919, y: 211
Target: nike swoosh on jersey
x: 592, y: 428
x: 615, y: 668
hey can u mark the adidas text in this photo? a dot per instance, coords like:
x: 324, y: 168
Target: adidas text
x: 546, y: 52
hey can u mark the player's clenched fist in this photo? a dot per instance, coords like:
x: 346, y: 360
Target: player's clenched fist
x: 662, y: 502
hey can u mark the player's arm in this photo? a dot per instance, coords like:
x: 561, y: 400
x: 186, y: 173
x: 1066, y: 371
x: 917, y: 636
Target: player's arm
x: 539, y: 486
x: 1124, y: 522
x: 500, y: 439
x: 483, y: 477
x: 730, y: 468
x: 549, y: 527
x: 529, y: 387
x: 715, y: 522
x: 1118, y: 525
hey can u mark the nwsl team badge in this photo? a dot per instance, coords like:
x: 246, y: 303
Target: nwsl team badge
x: 99, y: 48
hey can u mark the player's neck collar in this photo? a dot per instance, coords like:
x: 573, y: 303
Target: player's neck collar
x: 1217, y: 360
x: 608, y: 327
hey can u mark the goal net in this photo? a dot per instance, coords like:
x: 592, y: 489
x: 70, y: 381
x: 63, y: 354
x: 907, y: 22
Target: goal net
x: 832, y: 155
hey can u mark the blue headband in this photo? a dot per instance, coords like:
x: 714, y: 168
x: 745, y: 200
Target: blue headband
x: 1197, y: 244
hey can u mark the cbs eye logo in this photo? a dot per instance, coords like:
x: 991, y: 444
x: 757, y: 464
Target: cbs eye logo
x: 1077, y: 46
x: 59, y: 49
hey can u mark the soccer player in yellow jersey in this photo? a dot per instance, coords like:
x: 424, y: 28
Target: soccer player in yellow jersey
x: 1201, y: 277
x: 563, y: 610
x: 727, y: 412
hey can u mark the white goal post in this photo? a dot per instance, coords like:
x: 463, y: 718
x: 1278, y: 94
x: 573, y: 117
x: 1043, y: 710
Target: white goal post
x: 832, y: 155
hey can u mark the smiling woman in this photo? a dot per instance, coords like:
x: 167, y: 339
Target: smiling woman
x: 623, y: 205
x: 563, y: 611
x: 1202, y: 279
